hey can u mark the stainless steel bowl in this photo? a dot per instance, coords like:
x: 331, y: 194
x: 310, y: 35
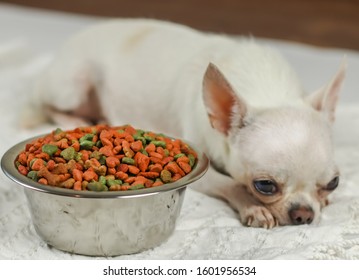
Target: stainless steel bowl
x: 103, y: 223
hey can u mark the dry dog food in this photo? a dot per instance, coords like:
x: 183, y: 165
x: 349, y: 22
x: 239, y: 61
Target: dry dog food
x: 101, y: 158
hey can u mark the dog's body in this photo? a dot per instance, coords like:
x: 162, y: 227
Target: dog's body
x: 250, y: 116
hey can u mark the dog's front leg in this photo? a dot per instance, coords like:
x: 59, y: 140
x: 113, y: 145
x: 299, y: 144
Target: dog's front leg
x: 251, y: 212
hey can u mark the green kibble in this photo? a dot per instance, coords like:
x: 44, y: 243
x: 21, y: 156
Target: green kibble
x: 58, y: 131
x: 179, y: 155
x: 96, y: 154
x: 141, y: 138
x: 167, y: 152
x: 86, y: 137
x: 139, y: 133
x: 98, y: 144
x: 49, y: 149
x: 148, y: 138
x: 159, y: 143
x: 192, y: 160
x: 96, y: 187
x: 102, y: 160
x: 128, y: 160
x: 32, y: 162
x: 113, y: 182
x: 69, y: 153
x: 166, y: 176
x: 137, y: 187
x: 102, y: 180
x: 86, y: 144
x: 32, y: 175
x: 78, y: 156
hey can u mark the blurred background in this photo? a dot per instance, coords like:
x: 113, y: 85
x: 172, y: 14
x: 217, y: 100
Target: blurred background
x: 330, y: 23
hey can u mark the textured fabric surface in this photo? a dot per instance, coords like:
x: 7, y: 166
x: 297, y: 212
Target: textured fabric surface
x: 207, y: 228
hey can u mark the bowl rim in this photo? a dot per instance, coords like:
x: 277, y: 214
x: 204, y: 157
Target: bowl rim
x: 9, y: 169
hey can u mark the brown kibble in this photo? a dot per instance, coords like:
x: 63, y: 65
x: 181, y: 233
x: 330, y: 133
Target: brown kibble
x: 68, y: 184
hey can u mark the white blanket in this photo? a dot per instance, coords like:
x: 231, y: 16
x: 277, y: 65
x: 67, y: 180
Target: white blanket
x: 207, y: 228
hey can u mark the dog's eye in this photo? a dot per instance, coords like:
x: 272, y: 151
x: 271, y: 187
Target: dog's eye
x: 266, y: 187
x: 333, y: 184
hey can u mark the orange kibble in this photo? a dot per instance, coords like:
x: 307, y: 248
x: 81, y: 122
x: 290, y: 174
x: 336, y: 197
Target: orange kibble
x: 22, y: 169
x: 64, y: 177
x: 148, y: 184
x: 38, y: 164
x: 90, y: 175
x: 112, y: 162
x: 117, y: 149
x: 183, y: 159
x: 155, y: 160
x: 142, y: 161
x: 167, y: 160
x: 106, y: 142
x: 22, y: 158
x: 123, y: 167
x: 77, y: 186
x: 155, y: 154
x: 118, y: 141
x: 176, y: 177
x: 106, y: 151
x: 136, y: 146
x: 43, y: 156
x: 125, y: 187
x: 106, y: 134
x: 42, y: 181
x: 185, y: 166
x: 133, y: 170
x: 77, y: 174
x: 130, y: 180
x: 174, y: 168
x: 111, y: 171
x: 130, y: 130
x: 51, y: 165
x: 157, y: 183
x: 62, y: 144
x: 150, y: 148
x: 149, y: 174
x: 121, y: 175
x: 156, y: 168
x: 76, y: 146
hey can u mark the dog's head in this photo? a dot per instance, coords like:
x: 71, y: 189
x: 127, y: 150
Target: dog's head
x: 283, y: 156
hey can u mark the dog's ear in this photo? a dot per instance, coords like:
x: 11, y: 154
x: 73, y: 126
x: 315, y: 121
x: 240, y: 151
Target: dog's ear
x: 326, y: 98
x: 224, y: 107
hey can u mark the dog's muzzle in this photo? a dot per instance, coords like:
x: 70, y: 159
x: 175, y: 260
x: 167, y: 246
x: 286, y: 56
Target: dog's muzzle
x: 300, y: 215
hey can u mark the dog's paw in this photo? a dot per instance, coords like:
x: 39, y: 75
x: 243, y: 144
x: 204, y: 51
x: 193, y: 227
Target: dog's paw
x: 258, y: 216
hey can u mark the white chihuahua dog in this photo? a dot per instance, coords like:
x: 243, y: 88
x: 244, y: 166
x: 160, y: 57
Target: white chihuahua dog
x: 270, y: 146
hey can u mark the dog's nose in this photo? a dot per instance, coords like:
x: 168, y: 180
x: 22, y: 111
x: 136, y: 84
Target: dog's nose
x: 300, y: 215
